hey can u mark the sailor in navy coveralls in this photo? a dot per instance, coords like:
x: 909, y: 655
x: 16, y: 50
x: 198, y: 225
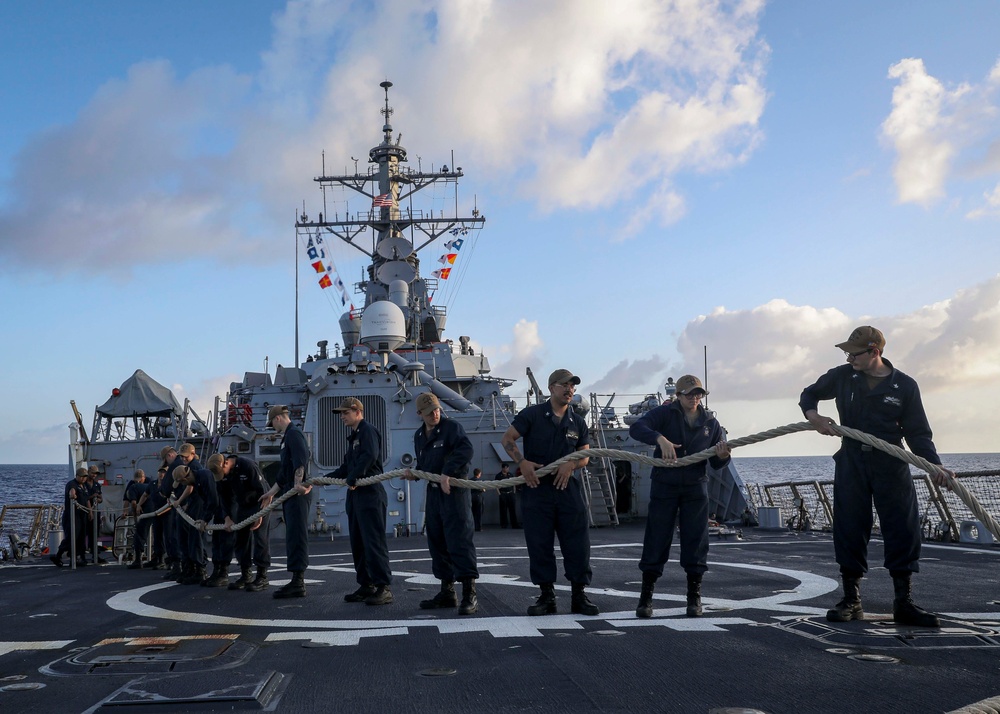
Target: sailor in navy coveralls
x: 554, y: 505
x: 874, y: 397
x: 679, y: 428
x: 365, y: 506
x: 442, y: 447
x: 291, y: 477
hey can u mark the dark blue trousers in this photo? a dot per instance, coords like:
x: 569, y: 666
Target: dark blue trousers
x: 171, y: 536
x: 296, y: 513
x: 366, y: 524
x: 864, y: 478
x: 450, y: 533
x: 683, y: 500
x: 192, y: 543
x: 252, y: 546
x: 548, y: 512
x: 508, y: 510
x: 222, y: 545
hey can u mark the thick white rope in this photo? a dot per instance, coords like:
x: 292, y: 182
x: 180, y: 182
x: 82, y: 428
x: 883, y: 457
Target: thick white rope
x: 963, y: 493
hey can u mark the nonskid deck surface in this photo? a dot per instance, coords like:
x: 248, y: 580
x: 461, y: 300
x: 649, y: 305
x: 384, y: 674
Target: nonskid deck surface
x: 108, y: 639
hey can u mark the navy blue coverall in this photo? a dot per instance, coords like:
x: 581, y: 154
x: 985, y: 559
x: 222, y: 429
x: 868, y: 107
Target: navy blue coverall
x: 891, y: 411
x: 366, y: 505
x: 447, y: 451
x: 246, y: 484
x: 547, y: 511
x: 200, y: 505
x: 294, y: 456
x: 678, y: 491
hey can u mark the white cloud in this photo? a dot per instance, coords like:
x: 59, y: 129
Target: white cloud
x: 604, y: 101
x: 526, y: 349
x: 940, y: 134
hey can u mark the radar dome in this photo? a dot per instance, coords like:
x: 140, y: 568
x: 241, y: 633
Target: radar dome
x: 383, y: 327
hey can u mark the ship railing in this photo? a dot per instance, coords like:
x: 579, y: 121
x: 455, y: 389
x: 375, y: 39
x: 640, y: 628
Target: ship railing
x: 26, y: 528
x: 808, y: 505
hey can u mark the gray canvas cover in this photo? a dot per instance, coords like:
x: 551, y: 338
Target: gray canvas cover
x: 141, y: 395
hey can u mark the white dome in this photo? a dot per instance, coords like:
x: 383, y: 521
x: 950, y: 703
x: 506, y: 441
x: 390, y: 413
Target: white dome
x: 383, y: 327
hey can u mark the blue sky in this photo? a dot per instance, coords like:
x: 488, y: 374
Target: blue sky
x: 658, y: 178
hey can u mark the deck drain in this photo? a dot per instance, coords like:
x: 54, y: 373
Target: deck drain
x: 22, y: 687
x: 437, y: 672
x: 608, y: 633
x: 884, y: 659
x: 840, y: 650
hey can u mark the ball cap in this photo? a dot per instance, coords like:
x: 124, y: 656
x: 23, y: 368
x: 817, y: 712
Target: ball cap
x: 275, y: 411
x: 563, y: 375
x: 348, y: 404
x: 863, y: 338
x: 689, y: 383
x: 427, y: 402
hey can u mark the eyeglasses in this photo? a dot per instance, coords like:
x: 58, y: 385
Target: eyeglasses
x: 568, y: 386
x: 694, y: 395
x: 854, y: 355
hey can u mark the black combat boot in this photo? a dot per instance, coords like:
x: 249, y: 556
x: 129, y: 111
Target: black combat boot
x: 174, y: 572
x: 381, y: 596
x: 154, y: 563
x: 243, y: 581
x: 470, y: 603
x: 361, y: 594
x: 296, y: 587
x: 196, y: 574
x: 218, y: 579
x: 260, y: 582
x: 580, y: 604
x: 546, y: 602
x: 446, y: 597
x: 849, y: 608
x: 645, y: 608
x: 694, y: 595
x: 135, y: 564
x: 904, y: 612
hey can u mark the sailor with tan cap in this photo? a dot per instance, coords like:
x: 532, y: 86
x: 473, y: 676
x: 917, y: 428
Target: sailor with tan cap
x: 366, y: 506
x: 442, y: 447
x: 874, y: 397
x: 678, y: 495
x: 554, y: 505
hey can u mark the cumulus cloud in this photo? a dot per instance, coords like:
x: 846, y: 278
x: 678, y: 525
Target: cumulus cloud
x: 629, y: 376
x: 630, y: 95
x: 776, y: 349
x: 940, y: 133
x: 526, y: 349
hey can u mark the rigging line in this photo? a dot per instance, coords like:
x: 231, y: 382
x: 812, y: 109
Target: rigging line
x: 466, y: 259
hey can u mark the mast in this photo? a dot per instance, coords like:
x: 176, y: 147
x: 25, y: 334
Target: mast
x: 393, y: 273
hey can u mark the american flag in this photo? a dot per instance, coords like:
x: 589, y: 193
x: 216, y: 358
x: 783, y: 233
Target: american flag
x: 383, y: 201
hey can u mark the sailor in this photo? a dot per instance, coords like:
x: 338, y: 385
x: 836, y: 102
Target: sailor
x: 508, y: 499
x: 200, y: 499
x: 477, y: 501
x: 130, y: 509
x: 291, y: 475
x: 171, y: 531
x: 365, y: 506
x: 95, y: 497
x: 874, y: 397
x: 222, y: 539
x: 150, y: 502
x: 75, y: 492
x: 249, y: 491
x: 442, y: 447
x: 554, y: 504
x: 678, y: 428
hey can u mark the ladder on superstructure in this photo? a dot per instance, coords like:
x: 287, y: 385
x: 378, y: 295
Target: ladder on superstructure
x: 599, y: 484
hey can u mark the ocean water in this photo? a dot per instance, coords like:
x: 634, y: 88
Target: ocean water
x: 45, y: 483
x: 33, y: 483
